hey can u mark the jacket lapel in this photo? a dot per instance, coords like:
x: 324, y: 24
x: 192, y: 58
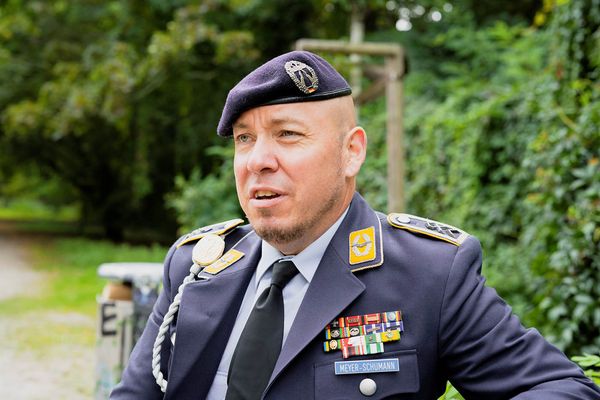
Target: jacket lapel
x: 210, y: 308
x: 333, y: 287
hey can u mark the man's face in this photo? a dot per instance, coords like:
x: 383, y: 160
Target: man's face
x: 292, y: 170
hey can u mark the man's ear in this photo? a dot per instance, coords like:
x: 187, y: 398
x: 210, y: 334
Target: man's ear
x: 355, y: 148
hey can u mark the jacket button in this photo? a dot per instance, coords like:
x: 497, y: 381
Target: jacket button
x: 403, y: 218
x: 368, y: 387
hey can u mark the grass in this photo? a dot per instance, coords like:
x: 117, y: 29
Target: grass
x: 70, y: 265
x: 63, y: 309
x: 25, y: 215
x: 29, y: 209
x: 52, y: 325
x: 59, y: 310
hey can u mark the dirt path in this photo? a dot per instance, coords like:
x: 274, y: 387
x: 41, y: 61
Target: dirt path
x: 27, y: 371
x: 16, y: 276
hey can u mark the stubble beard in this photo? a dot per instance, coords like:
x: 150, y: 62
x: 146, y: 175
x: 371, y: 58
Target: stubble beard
x: 276, y: 235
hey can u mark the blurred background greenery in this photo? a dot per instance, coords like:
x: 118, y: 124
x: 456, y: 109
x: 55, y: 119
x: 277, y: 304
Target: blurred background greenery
x: 108, y: 112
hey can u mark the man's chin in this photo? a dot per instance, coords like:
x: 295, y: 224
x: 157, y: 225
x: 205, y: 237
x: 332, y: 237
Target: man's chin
x: 277, y: 235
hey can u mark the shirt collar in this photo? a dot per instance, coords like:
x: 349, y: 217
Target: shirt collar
x: 306, y: 261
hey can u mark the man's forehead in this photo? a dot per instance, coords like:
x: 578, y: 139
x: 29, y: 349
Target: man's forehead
x: 275, y: 115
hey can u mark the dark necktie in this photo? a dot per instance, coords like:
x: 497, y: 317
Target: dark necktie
x: 260, y: 343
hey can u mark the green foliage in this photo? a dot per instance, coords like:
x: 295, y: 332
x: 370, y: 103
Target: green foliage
x: 372, y: 180
x: 562, y: 218
x: 117, y: 117
x: 451, y: 393
x: 466, y: 143
x: 591, y: 366
x: 506, y: 146
x: 201, y: 201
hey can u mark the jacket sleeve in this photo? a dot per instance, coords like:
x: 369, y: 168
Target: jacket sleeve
x: 137, y: 381
x: 486, y: 351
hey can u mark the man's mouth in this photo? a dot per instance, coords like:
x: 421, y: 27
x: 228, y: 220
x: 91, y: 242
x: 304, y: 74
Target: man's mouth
x: 265, y: 195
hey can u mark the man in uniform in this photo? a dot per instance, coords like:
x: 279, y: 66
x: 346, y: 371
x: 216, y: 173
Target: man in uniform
x: 321, y: 297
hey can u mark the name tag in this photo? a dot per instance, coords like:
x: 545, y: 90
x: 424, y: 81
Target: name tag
x: 367, y: 366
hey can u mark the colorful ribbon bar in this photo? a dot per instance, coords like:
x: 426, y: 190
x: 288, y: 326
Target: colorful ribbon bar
x: 362, y: 350
x: 379, y: 337
x: 363, y: 334
x: 367, y: 319
x: 345, y: 332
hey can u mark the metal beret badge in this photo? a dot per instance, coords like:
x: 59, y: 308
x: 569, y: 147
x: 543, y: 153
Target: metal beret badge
x: 300, y: 74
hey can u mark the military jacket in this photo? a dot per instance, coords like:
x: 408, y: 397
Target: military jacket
x: 453, y: 326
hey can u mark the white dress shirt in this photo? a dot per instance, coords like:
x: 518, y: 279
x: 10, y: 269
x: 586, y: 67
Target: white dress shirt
x: 307, y: 262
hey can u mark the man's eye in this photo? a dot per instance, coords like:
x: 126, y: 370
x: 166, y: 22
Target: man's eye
x: 289, y: 133
x: 242, y: 138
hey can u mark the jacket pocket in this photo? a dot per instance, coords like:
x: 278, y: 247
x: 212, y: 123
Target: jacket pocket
x: 377, y: 375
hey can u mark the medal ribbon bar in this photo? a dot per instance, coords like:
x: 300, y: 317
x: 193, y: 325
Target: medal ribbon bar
x: 366, y: 319
x: 378, y: 337
x: 344, y: 332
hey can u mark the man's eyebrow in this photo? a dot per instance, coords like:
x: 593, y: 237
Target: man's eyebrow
x: 239, y: 125
x: 288, y: 120
x: 277, y: 121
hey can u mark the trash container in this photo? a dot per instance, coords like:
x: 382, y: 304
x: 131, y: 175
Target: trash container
x: 123, y: 309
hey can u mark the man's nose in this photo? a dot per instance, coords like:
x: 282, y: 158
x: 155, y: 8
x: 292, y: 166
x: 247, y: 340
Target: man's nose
x: 263, y: 156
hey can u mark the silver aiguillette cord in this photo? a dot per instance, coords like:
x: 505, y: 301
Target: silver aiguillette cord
x: 164, y: 327
x: 206, y: 251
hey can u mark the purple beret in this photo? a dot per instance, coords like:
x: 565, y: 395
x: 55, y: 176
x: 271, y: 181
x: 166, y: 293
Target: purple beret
x: 290, y: 78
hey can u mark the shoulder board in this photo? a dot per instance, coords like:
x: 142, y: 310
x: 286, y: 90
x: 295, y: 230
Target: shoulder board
x: 428, y: 227
x: 216, y: 229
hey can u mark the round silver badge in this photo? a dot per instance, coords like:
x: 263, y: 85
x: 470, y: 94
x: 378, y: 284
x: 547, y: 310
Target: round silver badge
x: 208, y: 249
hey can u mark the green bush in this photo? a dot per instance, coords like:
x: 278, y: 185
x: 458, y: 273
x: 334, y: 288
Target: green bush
x: 591, y: 366
x: 510, y: 153
x: 205, y: 200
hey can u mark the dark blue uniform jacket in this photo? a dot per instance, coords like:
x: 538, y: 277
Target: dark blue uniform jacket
x: 455, y: 328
